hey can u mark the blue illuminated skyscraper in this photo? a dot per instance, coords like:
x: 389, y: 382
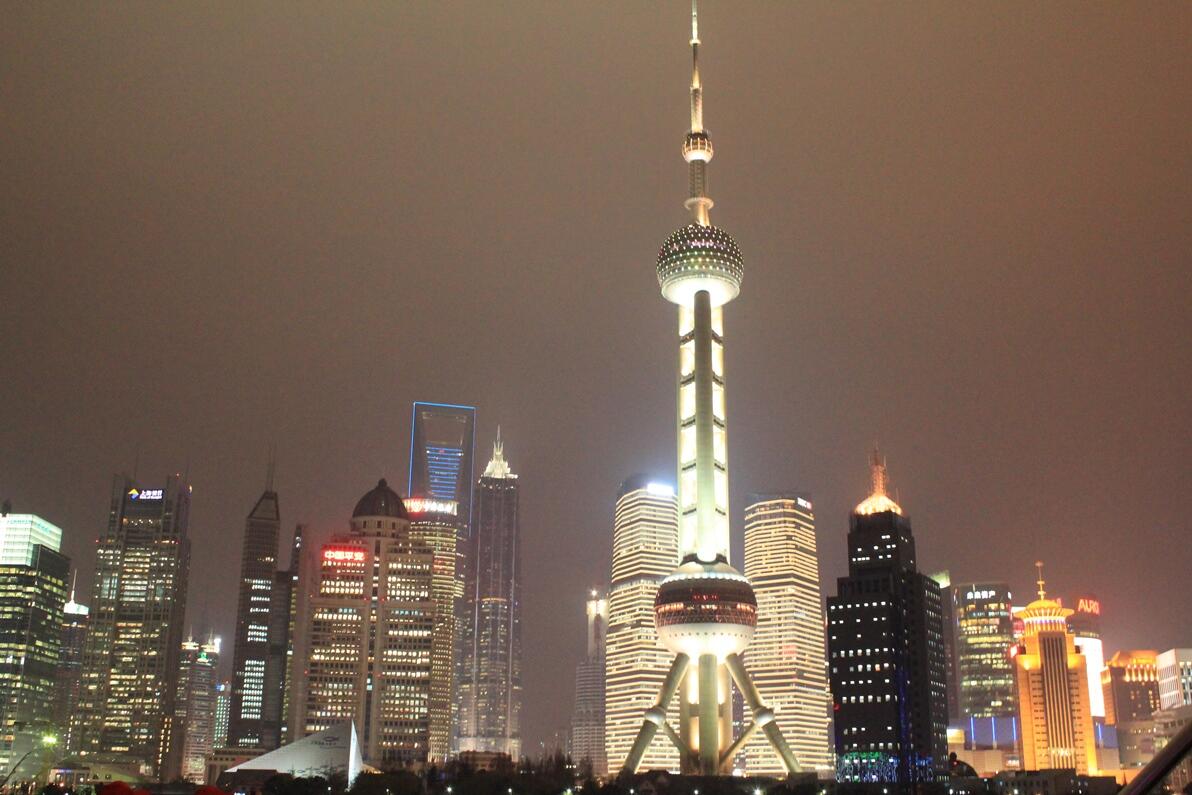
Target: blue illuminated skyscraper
x: 442, y: 436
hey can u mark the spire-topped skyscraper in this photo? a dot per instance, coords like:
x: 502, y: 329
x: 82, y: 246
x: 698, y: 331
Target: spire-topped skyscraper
x: 490, y: 693
x: 706, y: 611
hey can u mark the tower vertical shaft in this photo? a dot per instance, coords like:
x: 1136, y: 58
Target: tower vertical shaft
x: 705, y: 611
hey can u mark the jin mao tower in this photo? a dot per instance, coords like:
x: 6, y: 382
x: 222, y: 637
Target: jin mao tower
x: 706, y: 610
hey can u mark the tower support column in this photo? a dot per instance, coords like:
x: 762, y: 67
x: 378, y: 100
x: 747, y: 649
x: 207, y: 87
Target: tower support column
x: 709, y: 717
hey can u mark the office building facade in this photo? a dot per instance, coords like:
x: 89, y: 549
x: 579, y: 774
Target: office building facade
x: 33, y: 589
x: 492, y: 688
x: 434, y: 523
x: 1130, y: 686
x: 983, y: 636
x: 886, y: 651
x: 130, y: 664
x: 645, y: 550
x: 370, y: 635
x: 587, y: 717
x: 1174, y: 668
x: 787, y: 656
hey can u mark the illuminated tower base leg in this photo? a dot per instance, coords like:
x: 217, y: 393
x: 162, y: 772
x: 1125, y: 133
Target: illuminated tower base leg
x: 714, y: 754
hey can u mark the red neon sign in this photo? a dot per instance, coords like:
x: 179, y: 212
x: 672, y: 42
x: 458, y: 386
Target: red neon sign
x: 1090, y: 606
x: 343, y: 555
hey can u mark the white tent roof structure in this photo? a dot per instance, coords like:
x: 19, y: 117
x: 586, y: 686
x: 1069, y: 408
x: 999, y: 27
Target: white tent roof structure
x: 334, y: 750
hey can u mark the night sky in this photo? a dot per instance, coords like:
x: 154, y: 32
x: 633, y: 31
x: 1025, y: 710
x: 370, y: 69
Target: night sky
x: 966, y: 231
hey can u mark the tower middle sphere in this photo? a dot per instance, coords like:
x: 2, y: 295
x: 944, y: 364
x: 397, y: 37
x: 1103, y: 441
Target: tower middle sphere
x: 705, y: 608
x: 695, y: 258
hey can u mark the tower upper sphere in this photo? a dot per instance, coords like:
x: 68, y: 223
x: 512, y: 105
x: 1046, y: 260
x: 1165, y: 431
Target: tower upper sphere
x: 696, y: 258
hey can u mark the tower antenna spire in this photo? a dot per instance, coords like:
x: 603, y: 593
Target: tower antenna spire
x: 697, y: 147
x: 1039, y: 582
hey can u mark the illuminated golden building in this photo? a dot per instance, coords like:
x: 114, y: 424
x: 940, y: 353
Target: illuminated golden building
x: 370, y: 647
x: 434, y: 523
x: 1130, y: 683
x: 1053, y: 695
x: 645, y: 549
x: 787, y: 657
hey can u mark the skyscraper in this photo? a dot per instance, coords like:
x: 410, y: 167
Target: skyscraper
x: 370, y: 635
x: 1130, y: 684
x: 1053, y: 696
x: 645, y: 550
x: 492, y: 689
x: 75, y: 620
x: 130, y: 665
x: 587, y: 717
x: 193, y: 737
x: 787, y: 655
x: 442, y: 444
x: 885, y: 648
x: 705, y: 611
x: 33, y: 585
x: 252, y: 724
x: 435, y: 524
x: 984, y: 635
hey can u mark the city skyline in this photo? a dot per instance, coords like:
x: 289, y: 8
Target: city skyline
x: 1049, y: 440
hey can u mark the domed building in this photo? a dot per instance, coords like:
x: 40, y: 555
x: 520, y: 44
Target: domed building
x: 376, y: 631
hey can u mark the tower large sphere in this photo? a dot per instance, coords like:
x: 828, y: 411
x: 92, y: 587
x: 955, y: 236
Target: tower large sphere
x: 705, y: 608
x: 698, y: 258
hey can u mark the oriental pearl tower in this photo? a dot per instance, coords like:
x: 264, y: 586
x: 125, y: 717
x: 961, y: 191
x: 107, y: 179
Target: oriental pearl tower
x: 705, y: 611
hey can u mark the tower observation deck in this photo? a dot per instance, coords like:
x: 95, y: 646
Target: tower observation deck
x: 705, y: 611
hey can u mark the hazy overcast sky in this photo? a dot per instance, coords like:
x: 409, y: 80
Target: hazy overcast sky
x: 966, y: 231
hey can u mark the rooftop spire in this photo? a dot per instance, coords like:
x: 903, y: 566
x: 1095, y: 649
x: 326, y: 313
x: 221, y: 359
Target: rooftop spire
x: 498, y: 467
x: 1040, y: 581
x: 878, y: 500
x: 877, y: 474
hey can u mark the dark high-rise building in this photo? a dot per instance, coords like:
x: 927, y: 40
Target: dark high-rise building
x: 984, y: 633
x: 75, y: 620
x: 944, y: 580
x: 33, y: 585
x: 130, y: 666
x: 283, y: 608
x: 254, y: 723
x: 491, y: 690
x: 442, y: 443
x: 886, y: 651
